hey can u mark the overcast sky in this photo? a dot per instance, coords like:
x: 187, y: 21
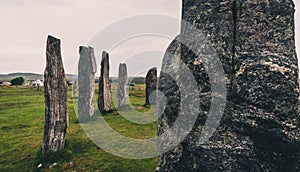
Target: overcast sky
x: 25, y: 25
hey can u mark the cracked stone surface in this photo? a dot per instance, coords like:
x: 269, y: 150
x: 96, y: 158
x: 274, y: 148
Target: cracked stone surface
x: 56, y: 99
x: 151, y: 84
x: 86, y: 82
x: 259, y: 131
x: 122, y: 93
x: 104, y: 102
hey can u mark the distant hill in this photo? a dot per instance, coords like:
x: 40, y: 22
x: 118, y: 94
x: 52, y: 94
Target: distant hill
x: 35, y: 76
x: 136, y: 80
x: 28, y: 76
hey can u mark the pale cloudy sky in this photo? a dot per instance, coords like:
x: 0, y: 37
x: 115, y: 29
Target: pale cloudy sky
x: 25, y: 25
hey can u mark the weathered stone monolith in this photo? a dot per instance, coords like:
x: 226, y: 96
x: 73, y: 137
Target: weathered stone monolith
x: 151, y: 84
x: 122, y: 93
x: 259, y: 130
x: 56, y: 99
x: 104, y: 102
x: 86, y: 82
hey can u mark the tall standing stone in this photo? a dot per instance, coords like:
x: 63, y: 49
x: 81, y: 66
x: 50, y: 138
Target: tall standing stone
x: 259, y: 130
x: 151, y: 84
x: 122, y: 93
x: 56, y: 100
x: 104, y: 102
x: 86, y: 80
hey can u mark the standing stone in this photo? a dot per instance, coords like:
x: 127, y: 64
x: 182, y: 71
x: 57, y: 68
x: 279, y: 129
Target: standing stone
x: 75, y: 89
x: 122, y: 93
x: 151, y: 84
x: 86, y: 79
x: 38, y: 87
x: 259, y: 130
x: 56, y: 100
x: 104, y: 102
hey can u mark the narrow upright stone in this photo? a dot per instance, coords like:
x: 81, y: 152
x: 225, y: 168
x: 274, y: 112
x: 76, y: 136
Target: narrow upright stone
x: 104, y: 102
x: 86, y: 81
x: 75, y: 90
x: 56, y: 100
x: 151, y: 84
x: 122, y: 94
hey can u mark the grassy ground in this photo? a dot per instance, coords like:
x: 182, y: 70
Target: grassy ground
x: 21, y: 132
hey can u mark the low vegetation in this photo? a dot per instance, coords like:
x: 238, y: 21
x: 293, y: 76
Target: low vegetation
x: 17, y: 81
x: 21, y: 130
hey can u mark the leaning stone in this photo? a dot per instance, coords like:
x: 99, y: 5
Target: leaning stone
x: 56, y: 99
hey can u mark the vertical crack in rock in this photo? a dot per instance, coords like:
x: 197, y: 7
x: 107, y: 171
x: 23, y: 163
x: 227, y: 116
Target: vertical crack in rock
x: 260, y: 129
x: 56, y: 99
x: 233, y: 62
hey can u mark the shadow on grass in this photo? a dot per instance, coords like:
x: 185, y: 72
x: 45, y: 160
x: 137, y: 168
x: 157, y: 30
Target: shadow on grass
x: 47, y: 159
x: 14, y: 127
x: 62, y: 158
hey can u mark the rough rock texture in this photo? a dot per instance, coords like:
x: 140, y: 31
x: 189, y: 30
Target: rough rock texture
x: 151, y: 83
x: 259, y: 130
x: 104, y: 102
x: 122, y: 93
x: 56, y: 99
x: 86, y: 80
x: 214, y: 18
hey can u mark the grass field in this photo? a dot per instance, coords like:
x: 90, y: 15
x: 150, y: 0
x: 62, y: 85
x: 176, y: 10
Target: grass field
x: 21, y: 132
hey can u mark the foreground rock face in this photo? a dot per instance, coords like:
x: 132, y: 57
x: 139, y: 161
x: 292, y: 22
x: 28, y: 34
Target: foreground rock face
x: 86, y: 81
x: 104, y: 102
x: 151, y: 84
x: 259, y: 130
x: 122, y: 93
x: 56, y: 99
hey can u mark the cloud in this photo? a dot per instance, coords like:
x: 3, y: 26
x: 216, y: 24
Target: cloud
x: 26, y: 24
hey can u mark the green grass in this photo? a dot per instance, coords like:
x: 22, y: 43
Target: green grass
x: 21, y: 133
